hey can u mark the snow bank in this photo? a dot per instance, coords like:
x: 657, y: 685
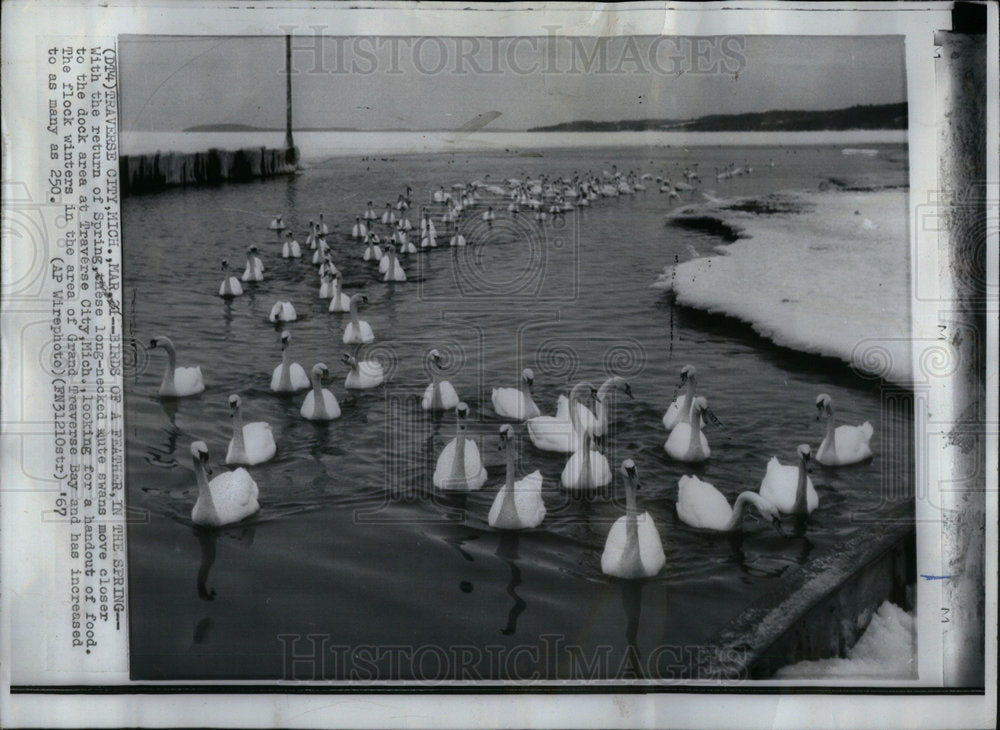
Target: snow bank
x: 824, y: 272
x: 887, y: 650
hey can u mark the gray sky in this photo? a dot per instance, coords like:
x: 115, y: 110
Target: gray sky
x: 169, y: 83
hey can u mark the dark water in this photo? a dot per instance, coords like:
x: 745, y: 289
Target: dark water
x: 355, y: 564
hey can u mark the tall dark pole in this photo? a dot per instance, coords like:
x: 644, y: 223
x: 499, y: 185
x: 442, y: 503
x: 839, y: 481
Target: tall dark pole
x: 289, y: 144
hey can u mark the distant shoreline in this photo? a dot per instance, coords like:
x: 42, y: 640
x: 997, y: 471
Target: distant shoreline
x: 317, y: 146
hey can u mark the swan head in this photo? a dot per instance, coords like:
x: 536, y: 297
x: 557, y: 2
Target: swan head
x: 632, y: 472
x: 506, y: 434
x: 805, y: 453
x: 688, y: 371
x: 199, y: 452
x: 528, y: 376
x: 234, y: 404
x: 362, y: 298
x: 224, y: 264
x: 286, y: 337
x: 160, y: 341
x: 435, y: 357
x: 770, y: 513
x: 320, y: 370
x: 349, y: 360
x: 580, y: 388
x: 462, y: 410
x: 288, y: 234
x: 252, y: 250
x: 824, y: 405
x: 699, y: 404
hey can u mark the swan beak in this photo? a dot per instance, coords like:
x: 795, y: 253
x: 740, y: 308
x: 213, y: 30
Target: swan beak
x: 152, y: 343
x: 776, y: 521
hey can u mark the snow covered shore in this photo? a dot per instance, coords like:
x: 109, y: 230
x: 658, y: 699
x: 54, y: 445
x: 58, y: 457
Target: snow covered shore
x: 825, y: 272
x: 887, y: 650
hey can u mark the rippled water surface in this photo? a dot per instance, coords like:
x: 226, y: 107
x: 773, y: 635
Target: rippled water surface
x: 353, y: 545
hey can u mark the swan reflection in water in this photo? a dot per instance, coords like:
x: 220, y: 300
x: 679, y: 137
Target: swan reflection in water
x: 207, y: 538
x: 507, y: 550
x: 632, y: 603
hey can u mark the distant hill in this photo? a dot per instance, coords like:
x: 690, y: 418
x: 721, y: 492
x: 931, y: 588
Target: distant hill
x: 872, y: 116
x: 251, y: 128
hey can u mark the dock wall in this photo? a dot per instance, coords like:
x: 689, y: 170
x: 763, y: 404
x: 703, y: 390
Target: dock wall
x: 157, y: 171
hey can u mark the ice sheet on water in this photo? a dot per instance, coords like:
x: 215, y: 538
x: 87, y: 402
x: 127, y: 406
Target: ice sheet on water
x: 821, y: 272
x: 886, y: 650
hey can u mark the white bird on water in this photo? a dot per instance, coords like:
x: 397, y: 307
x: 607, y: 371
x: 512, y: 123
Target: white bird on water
x: 587, y: 468
x: 288, y: 376
x: 358, y: 331
x: 364, y: 374
x: 319, y: 405
x: 788, y: 487
x: 255, y: 267
x: 633, y: 548
x: 687, y: 442
x: 440, y: 395
x: 680, y: 410
x: 339, y: 302
x: 516, y: 403
x: 518, y: 505
x: 459, y: 466
x: 700, y: 504
x: 230, y: 286
x: 230, y: 497
x: 282, y: 312
x: 290, y: 248
x: 842, y: 445
x: 177, y: 382
x: 252, y: 443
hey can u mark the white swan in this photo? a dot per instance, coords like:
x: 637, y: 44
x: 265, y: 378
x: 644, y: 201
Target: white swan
x: 228, y: 498
x: 230, y: 286
x: 633, y: 548
x: 326, y: 284
x: 358, y: 331
x: 458, y: 240
x: 373, y: 252
x: 587, y: 468
x: 321, y: 226
x: 393, y: 270
x: 518, y: 504
x: 686, y: 442
x: 844, y: 444
x: 360, y: 230
x: 558, y: 433
x: 177, y: 382
x: 615, y: 382
x: 680, y: 410
x: 277, y: 224
x: 282, y: 312
x: 789, y: 488
x: 700, y: 504
x: 252, y: 443
x: 255, y: 267
x: 322, y: 250
x: 339, y: 302
x: 319, y: 405
x: 290, y: 248
x: 440, y: 395
x: 364, y: 373
x: 459, y: 466
x: 288, y: 376
x: 516, y: 403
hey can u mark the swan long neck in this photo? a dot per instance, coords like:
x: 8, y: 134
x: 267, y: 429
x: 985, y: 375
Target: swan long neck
x: 239, y: 446
x: 354, y: 315
x: 829, y: 427
x: 695, y: 424
x: 509, y: 481
x: 631, y: 550
x: 801, y: 506
x: 168, y: 375
x: 602, y: 409
x: 739, y: 507
x: 204, y: 493
x: 688, y: 396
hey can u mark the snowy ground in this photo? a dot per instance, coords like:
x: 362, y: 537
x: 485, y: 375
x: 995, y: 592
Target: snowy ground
x: 887, y: 650
x: 824, y: 272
